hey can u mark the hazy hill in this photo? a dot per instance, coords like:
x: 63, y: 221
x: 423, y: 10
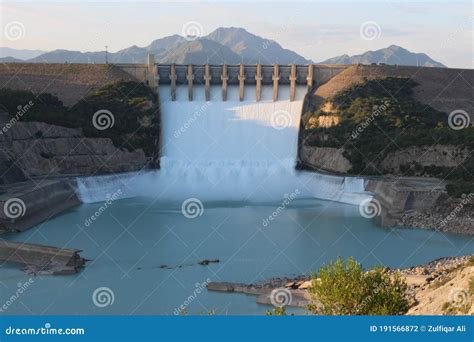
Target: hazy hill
x: 19, y: 54
x: 391, y: 55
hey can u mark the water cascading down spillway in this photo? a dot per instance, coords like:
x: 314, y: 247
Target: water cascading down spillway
x: 234, y: 150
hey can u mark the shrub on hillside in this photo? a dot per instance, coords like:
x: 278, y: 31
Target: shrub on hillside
x: 343, y: 288
x: 382, y: 116
x: 133, y: 105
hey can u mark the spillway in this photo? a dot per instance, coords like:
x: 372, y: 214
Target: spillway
x: 243, y: 151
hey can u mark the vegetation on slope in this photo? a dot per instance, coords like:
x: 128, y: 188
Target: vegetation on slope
x: 133, y: 106
x: 376, y: 117
x: 343, y: 288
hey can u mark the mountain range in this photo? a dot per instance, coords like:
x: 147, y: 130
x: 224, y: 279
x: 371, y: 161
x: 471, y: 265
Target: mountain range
x: 224, y: 45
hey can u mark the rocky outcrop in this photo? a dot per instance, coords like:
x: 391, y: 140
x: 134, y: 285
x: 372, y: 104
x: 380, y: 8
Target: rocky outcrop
x: 423, y: 156
x: 40, y: 149
x: 442, y: 287
x: 395, y: 197
x: 270, y: 292
x: 27, y: 204
x: 452, y: 215
x: 40, y: 259
x: 325, y: 158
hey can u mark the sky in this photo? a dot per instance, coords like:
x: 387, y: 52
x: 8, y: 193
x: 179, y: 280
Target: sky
x: 315, y: 29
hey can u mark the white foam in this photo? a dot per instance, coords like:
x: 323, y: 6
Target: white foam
x: 227, y: 151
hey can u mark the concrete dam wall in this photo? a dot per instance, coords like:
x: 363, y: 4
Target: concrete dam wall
x: 156, y: 75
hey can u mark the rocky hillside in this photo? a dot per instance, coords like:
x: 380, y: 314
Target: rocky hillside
x: 397, y: 123
x: 442, y: 287
x: 441, y: 88
x: 32, y: 149
x: 376, y: 121
x: 106, y: 132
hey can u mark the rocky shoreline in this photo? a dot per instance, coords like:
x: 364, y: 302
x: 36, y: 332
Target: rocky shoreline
x: 433, y: 288
x: 450, y: 216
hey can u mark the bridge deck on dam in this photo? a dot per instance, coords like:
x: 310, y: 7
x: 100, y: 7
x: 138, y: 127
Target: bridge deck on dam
x: 242, y: 74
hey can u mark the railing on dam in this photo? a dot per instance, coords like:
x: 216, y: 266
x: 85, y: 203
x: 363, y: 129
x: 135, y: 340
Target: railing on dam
x: 224, y: 75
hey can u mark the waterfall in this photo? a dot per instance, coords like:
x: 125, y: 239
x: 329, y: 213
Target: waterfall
x: 227, y: 151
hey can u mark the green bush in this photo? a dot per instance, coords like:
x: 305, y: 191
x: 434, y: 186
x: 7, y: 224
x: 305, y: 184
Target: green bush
x: 343, y: 288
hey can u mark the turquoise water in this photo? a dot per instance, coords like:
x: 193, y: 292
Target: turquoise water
x: 132, y: 238
x: 237, y: 158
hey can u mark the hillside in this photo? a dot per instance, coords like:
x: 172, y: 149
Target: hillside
x: 393, y: 55
x: 21, y: 54
x: 392, y: 121
x: 69, y: 82
x: 431, y: 90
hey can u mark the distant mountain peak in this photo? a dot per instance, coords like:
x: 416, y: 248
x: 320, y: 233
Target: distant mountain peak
x: 254, y: 49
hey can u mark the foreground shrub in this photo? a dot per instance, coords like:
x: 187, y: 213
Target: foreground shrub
x: 343, y: 288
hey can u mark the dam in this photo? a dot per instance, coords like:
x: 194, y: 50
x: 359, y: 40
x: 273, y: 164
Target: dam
x: 227, y: 190
x: 240, y: 150
x: 257, y: 75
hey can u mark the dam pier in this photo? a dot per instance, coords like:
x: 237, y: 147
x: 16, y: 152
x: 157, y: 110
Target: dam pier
x: 256, y: 75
